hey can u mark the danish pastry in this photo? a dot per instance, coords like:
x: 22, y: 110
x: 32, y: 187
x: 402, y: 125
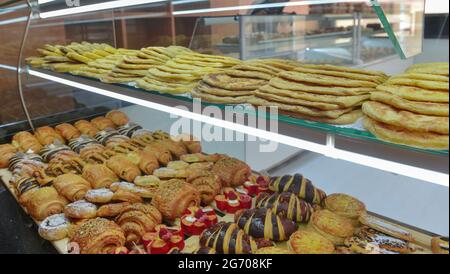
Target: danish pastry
x: 86, y: 128
x: 73, y: 187
x: 345, y: 206
x: 54, y: 227
x: 47, y: 135
x: 298, y: 185
x: 81, y: 210
x: 126, y: 196
x: 7, y: 151
x: 99, y: 196
x: 232, y: 172
x: 103, y: 123
x: 332, y: 226
x: 67, y: 131
x: 111, y: 210
x: 206, y: 182
x: 129, y: 187
x: 26, y: 142
x: 286, y: 205
x: 118, y: 117
x: 123, y: 167
x: 43, y: 202
x: 310, y: 242
x: 99, y: 176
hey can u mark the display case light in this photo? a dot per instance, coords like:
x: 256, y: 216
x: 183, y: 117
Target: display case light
x: 328, y: 150
x: 96, y: 7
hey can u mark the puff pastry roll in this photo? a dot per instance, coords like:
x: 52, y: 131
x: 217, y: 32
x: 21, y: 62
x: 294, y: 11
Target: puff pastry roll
x: 145, y: 160
x: 206, y: 182
x: 118, y: 117
x: 162, y: 154
x: 26, y: 141
x: 232, y: 172
x: 67, y: 131
x: 7, y: 151
x: 47, y: 135
x: 43, y: 202
x: 72, y: 187
x: 103, y: 123
x: 123, y: 167
x: 86, y: 128
x: 99, y: 176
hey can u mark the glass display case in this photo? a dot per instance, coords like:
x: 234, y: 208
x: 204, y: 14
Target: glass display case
x: 280, y: 87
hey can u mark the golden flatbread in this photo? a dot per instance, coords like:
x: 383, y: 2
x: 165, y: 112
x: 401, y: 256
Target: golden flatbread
x: 134, y: 66
x: 405, y: 119
x: 416, y: 94
x: 338, y: 91
x: 137, y: 60
x: 260, y: 67
x: 130, y: 71
x: 325, y: 80
x: 205, y: 88
x: 423, y: 76
x: 232, y: 83
x: 163, y: 88
x: 293, y: 101
x: 167, y: 75
x: 342, y: 101
x: 397, y: 135
x: 112, y: 80
x: 307, y: 111
x: 248, y: 74
x: 437, y: 109
x: 348, y: 75
x: 219, y: 99
x: 345, y: 69
x: 345, y: 119
x: 433, y: 85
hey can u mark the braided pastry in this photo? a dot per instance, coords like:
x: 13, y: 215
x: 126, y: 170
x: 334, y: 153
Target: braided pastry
x: 47, y: 135
x: 99, y: 176
x: 227, y: 238
x: 286, y: 205
x: 298, y: 185
x: 123, y: 167
x: 232, y: 172
x: 72, y: 187
x: 98, y: 236
x: 263, y: 223
x: 118, y: 117
x: 206, y: 182
x: 137, y: 219
x: 174, y: 197
x: 26, y: 141
x: 86, y: 128
x: 67, y: 131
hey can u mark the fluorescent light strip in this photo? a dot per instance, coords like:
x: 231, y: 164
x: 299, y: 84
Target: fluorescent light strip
x: 6, y: 67
x: 14, y: 20
x: 40, y: 2
x: 385, y: 165
x: 97, y: 7
x: 262, y: 6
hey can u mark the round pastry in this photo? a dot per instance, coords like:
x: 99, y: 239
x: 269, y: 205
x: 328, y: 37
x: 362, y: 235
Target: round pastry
x: 54, y: 227
x: 99, y: 196
x: 332, y: 226
x: 129, y: 129
x: 272, y: 250
x: 81, y: 210
x: 345, y: 206
x: 310, y: 242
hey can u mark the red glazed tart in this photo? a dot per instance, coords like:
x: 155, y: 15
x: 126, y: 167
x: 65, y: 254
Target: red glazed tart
x: 163, y: 240
x: 196, y: 219
x: 256, y: 186
x: 232, y: 201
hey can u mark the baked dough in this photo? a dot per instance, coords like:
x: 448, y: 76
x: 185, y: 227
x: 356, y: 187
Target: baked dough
x: 332, y: 226
x: 310, y: 242
x: 345, y: 206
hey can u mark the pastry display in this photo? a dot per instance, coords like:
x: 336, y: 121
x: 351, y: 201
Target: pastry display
x: 272, y: 250
x: 98, y: 236
x: 345, y: 206
x: 231, y: 171
x: 263, y: 223
x: 73, y: 187
x: 145, y: 160
x: 257, y: 185
x: 286, y: 205
x: 332, y: 226
x: 54, y: 227
x: 138, y: 219
x: 126, y: 196
x: 118, y: 117
x: 228, y: 238
x: 174, y: 197
x: 206, y: 182
x: 144, y: 192
x: 196, y: 219
x: 81, y: 209
x: 310, y: 242
x: 439, y: 245
x: 298, y: 185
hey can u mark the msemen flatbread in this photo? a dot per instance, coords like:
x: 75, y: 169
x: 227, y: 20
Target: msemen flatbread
x: 402, y: 136
x: 423, y: 76
x: 416, y: 94
x: 301, y: 109
x: 111, y: 80
x: 131, y: 71
x: 219, y: 99
x: 224, y: 81
x: 348, y: 75
x: 405, y: 119
x: 248, y: 74
x: 338, y: 91
x: 205, y: 88
x: 167, y: 75
x: 293, y: 101
x: 437, y: 109
x: 345, y: 69
x: 163, y: 88
x: 433, y: 85
x: 325, y: 80
x: 345, y: 119
x: 343, y: 101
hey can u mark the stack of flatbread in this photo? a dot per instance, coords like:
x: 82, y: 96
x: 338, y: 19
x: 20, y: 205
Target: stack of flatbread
x: 238, y: 84
x: 133, y: 67
x: 412, y: 109
x: 181, y: 74
x: 323, y: 93
x: 71, y: 57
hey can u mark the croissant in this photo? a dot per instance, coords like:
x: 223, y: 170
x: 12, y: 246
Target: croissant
x: 98, y: 236
x: 99, y: 176
x: 162, y: 154
x: 7, y: 151
x: 232, y: 172
x: 118, y: 117
x: 227, y: 238
x: 103, y: 123
x: 190, y: 142
x: 146, y: 161
x: 298, y: 185
x: 72, y: 187
x: 67, y: 131
x: 206, y: 182
x: 123, y: 167
x: 26, y: 141
x: 263, y: 223
x: 44, y: 202
x: 286, y: 205
x: 86, y: 128
x: 47, y: 135
x: 174, y: 197
x: 24, y: 184
x: 177, y: 149
x: 137, y: 219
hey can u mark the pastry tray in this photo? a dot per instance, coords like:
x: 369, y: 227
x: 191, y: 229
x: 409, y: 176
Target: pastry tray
x: 422, y: 239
